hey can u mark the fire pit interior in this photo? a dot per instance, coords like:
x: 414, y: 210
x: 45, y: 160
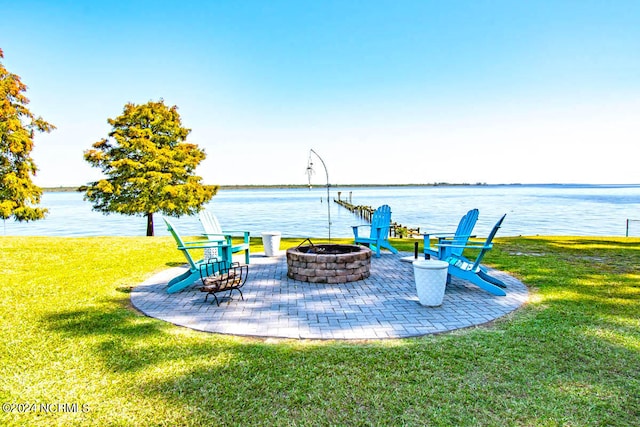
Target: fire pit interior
x: 328, y: 263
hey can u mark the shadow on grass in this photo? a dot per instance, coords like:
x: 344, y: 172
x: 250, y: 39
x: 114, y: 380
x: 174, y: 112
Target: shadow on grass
x: 524, y: 369
x: 584, y: 284
x: 175, y: 264
x: 571, y: 357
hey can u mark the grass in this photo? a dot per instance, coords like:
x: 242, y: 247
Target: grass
x: 69, y: 336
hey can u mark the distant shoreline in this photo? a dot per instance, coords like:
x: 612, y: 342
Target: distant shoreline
x: 63, y: 189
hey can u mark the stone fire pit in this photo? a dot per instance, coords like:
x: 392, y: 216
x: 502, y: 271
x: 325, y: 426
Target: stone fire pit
x: 328, y: 263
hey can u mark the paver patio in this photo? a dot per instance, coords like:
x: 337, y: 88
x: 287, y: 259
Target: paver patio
x: 385, y: 305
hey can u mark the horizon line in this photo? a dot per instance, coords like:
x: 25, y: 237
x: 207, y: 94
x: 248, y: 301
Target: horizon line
x: 435, y: 184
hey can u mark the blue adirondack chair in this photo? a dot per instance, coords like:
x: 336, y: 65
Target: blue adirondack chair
x: 213, y: 232
x: 193, y: 274
x: 460, y: 237
x: 461, y: 267
x: 379, y: 236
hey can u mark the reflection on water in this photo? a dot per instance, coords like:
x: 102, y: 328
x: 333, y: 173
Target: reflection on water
x: 531, y: 210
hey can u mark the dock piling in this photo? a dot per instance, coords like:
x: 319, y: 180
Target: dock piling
x: 366, y: 213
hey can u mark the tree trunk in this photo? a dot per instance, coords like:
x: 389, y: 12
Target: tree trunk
x: 150, y: 224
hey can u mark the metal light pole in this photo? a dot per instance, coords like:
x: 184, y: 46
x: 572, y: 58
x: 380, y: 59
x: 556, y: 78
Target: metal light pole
x: 310, y: 171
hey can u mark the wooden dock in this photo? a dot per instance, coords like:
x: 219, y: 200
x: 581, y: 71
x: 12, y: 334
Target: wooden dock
x: 365, y: 213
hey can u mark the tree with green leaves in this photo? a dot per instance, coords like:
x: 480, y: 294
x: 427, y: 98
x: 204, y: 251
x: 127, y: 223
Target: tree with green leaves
x: 148, y: 166
x: 19, y: 196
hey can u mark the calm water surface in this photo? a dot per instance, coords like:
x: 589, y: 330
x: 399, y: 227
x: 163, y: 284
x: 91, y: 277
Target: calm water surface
x: 531, y: 210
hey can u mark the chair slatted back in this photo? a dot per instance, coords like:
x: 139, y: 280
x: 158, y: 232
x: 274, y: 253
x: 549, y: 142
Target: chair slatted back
x: 209, y: 222
x: 464, y: 230
x: 180, y: 242
x: 487, y: 244
x: 381, y: 219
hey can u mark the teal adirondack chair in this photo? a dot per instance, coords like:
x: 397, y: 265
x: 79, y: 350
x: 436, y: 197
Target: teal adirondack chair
x: 460, y: 237
x: 461, y: 267
x: 193, y: 274
x: 379, y: 236
x: 214, y: 232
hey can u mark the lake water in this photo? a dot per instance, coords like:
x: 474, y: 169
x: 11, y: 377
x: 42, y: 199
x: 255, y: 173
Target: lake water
x: 586, y: 210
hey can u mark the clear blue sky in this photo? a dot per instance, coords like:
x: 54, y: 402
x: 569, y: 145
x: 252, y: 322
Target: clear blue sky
x: 385, y: 91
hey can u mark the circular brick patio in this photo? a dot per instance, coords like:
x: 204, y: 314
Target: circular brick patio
x: 384, y: 305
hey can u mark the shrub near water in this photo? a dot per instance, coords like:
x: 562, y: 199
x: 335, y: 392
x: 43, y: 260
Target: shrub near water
x: 571, y: 356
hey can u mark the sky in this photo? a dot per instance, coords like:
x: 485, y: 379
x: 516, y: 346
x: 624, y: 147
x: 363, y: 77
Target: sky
x: 386, y: 92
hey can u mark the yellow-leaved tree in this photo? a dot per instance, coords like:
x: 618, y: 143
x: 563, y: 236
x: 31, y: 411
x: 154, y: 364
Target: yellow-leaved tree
x: 19, y: 196
x: 148, y: 166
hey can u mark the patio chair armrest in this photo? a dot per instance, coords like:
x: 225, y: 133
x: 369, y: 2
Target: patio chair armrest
x: 245, y: 234
x: 452, y: 245
x: 437, y: 234
x: 202, y: 245
x: 223, y: 235
x: 236, y: 232
x: 454, y: 238
x: 355, y: 230
x: 446, y: 235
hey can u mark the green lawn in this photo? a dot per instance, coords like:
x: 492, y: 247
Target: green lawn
x: 69, y: 336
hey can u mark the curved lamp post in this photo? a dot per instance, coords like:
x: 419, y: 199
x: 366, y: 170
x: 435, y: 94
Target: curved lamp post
x: 310, y: 172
